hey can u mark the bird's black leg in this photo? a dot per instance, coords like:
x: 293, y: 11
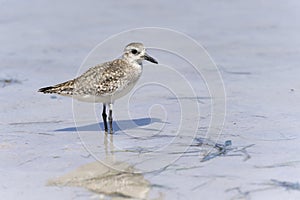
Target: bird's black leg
x: 104, y: 116
x: 110, y: 119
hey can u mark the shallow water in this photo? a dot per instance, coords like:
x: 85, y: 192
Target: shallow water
x: 256, y: 46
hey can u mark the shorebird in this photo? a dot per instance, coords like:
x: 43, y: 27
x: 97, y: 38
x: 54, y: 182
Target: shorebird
x: 106, y: 82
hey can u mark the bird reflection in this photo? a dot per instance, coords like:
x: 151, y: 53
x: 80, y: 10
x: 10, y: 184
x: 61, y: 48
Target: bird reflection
x: 114, y: 179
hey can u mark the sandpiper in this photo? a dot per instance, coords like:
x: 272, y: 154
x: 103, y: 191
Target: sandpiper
x: 106, y: 82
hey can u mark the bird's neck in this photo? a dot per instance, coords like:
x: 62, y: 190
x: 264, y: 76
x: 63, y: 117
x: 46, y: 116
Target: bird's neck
x: 132, y: 60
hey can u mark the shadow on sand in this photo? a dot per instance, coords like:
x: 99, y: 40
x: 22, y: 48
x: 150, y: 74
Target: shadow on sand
x: 118, y: 125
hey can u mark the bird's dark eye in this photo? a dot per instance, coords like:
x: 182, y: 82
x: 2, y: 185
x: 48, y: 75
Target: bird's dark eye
x: 134, y: 51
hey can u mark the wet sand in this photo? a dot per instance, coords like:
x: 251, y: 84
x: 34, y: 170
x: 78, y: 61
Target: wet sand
x: 256, y: 46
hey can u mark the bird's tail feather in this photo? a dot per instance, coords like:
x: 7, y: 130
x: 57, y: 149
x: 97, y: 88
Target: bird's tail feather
x: 47, y: 89
x: 65, y: 88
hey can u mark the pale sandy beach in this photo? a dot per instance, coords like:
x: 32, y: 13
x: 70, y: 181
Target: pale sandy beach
x: 53, y: 148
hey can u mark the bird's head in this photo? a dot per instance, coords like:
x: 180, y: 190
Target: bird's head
x: 136, y: 52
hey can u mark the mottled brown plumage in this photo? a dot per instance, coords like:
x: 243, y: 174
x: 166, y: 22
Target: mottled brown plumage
x: 106, y: 82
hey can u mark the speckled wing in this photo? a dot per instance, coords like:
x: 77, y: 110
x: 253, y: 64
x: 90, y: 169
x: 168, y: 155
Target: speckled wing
x: 104, y: 79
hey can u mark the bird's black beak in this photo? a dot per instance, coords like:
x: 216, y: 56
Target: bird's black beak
x: 150, y: 59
